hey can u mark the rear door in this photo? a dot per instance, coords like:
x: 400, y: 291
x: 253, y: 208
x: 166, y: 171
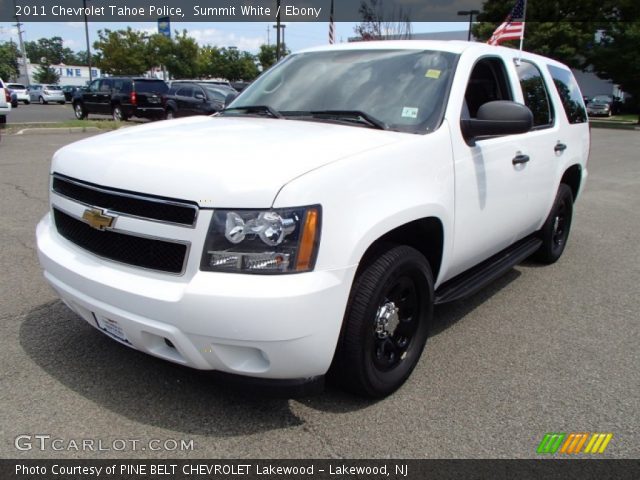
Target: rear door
x: 185, y: 101
x: 149, y: 93
x: 543, y: 143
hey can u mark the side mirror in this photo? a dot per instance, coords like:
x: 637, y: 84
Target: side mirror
x: 199, y: 96
x: 230, y: 98
x: 500, y: 117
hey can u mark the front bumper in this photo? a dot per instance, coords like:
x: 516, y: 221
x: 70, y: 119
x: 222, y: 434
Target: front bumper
x: 268, y: 326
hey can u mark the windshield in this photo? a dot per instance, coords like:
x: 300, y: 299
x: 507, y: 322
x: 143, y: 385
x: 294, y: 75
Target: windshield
x: 16, y: 86
x: 602, y: 99
x: 403, y: 90
x: 53, y: 87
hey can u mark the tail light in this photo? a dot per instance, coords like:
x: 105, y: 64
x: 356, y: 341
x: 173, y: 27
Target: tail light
x: 134, y: 98
x: 7, y: 95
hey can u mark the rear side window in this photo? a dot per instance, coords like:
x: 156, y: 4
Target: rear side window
x: 569, y: 94
x: 151, y: 86
x: 121, y: 86
x: 535, y: 93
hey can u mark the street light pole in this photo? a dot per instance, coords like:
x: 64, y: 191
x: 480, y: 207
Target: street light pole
x: 471, y: 13
x: 86, y: 32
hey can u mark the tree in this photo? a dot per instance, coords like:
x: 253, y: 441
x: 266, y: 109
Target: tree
x: 52, y: 49
x: 123, y: 52
x: 616, y: 57
x: 179, y: 55
x: 8, y: 60
x: 376, y: 25
x: 267, y: 55
x: 45, y: 74
x: 229, y: 63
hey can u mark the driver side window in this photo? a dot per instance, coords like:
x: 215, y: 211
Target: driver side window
x: 93, y: 86
x: 488, y: 82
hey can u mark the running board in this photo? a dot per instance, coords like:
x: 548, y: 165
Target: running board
x: 486, y: 272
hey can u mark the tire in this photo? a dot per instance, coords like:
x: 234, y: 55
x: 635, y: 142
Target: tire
x: 14, y: 104
x: 3, y: 119
x: 27, y: 102
x: 386, y: 323
x: 170, y: 114
x: 62, y: 103
x: 555, y: 231
x: 42, y: 101
x: 79, y: 111
x: 117, y: 114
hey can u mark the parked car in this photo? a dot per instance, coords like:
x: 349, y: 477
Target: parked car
x: 22, y: 94
x: 44, y: 94
x: 311, y: 226
x: 604, y: 105
x: 70, y: 91
x: 193, y: 98
x: 122, y: 98
x: 5, y: 102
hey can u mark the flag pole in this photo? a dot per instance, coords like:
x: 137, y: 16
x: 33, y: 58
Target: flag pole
x: 524, y: 24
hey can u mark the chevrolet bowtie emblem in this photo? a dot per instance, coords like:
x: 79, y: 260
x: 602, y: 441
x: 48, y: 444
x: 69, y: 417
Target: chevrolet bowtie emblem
x: 97, y: 219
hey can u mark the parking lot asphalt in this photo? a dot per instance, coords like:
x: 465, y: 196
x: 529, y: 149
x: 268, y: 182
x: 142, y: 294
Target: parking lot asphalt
x: 543, y: 349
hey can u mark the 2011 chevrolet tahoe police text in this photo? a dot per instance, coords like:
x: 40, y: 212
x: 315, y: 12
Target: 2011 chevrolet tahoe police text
x: 312, y: 225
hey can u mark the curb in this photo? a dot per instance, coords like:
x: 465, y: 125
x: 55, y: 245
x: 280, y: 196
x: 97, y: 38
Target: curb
x: 56, y: 130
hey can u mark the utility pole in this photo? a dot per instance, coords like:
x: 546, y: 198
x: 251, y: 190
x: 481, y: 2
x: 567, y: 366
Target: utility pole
x: 23, y: 51
x: 277, y: 27
x: 268, y: 35
x: 86, y: 32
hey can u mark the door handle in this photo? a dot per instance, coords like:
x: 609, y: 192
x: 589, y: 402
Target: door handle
x: 560, y: 147
x: 520, y: 159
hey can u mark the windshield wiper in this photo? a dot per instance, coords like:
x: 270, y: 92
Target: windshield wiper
x: 256, y: 109
x: 357, y: 115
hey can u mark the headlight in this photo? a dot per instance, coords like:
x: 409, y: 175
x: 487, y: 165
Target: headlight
x: 262, y: 241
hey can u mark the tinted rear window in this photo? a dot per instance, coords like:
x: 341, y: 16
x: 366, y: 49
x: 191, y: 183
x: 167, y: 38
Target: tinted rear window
x: 569, y: 94
x: 151, y: 86
x: 16, y: 86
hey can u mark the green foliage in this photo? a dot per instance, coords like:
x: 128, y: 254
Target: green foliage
x: 45, y: 74
x: 123, y: 52
x: 267, y: 55
x: 8, y: 61
x: 179, y: 55
x: 52, y: 49
x: 616, y: 57
x: 229, y: 63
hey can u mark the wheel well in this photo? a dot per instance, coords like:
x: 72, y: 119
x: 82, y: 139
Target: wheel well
x: 572, y: 177
x: 425, y: 235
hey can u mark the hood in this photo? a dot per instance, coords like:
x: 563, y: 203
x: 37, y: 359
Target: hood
x: 235, y: 162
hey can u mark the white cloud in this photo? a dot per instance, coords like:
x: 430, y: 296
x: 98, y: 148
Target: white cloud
x: 211, y: 36
x: 72, y: 44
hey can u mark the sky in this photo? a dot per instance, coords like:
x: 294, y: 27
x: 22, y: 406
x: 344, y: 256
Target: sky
x: 244, y: 36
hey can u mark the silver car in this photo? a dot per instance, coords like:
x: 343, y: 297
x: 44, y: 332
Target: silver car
x: 46, y: 93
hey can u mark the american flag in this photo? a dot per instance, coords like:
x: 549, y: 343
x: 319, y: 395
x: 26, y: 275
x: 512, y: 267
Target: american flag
x: 513, y: 26
x: 332, y: 26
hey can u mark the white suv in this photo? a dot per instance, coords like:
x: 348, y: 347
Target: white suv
x: 5, y: 102
x: 312, y: 225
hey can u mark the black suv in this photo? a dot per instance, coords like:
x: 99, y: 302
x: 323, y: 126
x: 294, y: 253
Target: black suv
x: 187, y: 97
x: 122, y: 98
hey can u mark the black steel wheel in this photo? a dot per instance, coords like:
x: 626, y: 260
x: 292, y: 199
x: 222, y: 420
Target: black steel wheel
x: 386, y: 323
x: 555, y: 231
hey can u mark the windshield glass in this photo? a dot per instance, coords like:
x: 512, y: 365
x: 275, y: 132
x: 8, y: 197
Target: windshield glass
x: 53, y: 87
x: 404, y: 90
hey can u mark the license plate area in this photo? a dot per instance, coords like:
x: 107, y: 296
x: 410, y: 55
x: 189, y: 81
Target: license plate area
x: 111, y: 328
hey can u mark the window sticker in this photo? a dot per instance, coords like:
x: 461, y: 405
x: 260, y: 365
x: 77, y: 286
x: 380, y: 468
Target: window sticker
x: 431, y: 73
x: 409, y: 112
